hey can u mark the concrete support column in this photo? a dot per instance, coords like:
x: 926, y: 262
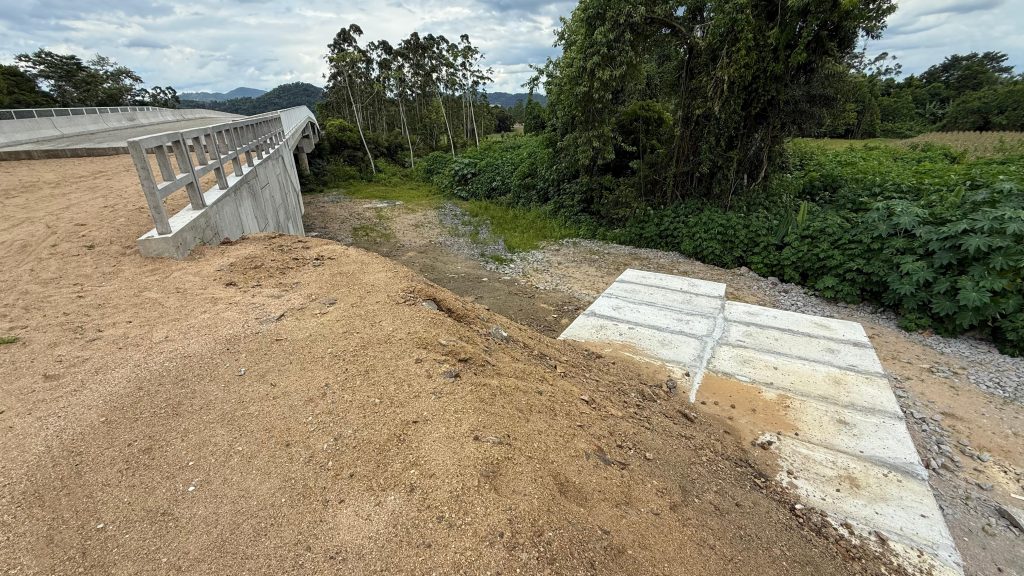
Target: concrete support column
x: 303, y: 162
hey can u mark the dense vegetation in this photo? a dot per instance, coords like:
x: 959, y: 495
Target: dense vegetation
x: 45, y: 79
x: 284, y: 96
x: 930, y: 232
x: 964, y: 92
x: 667, y: 124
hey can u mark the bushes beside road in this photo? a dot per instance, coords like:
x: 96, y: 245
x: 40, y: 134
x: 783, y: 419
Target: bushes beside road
x: 923, y: 229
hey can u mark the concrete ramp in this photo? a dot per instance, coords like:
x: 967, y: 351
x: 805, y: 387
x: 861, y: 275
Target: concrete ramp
x: 811, y: 388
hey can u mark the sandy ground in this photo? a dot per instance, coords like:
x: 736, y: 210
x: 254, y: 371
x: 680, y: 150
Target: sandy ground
x: 286, y: 405
x: 561, y: 280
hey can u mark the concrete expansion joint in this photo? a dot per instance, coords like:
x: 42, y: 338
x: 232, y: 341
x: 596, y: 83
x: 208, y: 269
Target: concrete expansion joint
x: 637, y: 324
x: 911, y: 473
x: 661, y: 306
x: 673, y: 290
x: 709, y: 351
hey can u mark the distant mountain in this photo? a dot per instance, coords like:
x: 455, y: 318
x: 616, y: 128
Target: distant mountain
x: 240, y: 92
x: 284, y: 96
x: 506, y: 100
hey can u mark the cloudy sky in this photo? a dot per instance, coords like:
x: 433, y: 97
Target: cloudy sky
x: 216, y: 46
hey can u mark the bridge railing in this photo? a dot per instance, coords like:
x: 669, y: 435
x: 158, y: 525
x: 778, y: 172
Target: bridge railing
x: 23, y: 113
x: 228, y: 151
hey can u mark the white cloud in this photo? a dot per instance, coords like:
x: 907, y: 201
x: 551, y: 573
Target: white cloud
x: 923, y: 32
x: 262, y: 43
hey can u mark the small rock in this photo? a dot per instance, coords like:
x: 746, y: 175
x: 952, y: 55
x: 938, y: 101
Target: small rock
x: 937, y: 417
x: 917, y: 415
x: 766, y: 441
x: 671, y: 384
x: 1015, y: 516
x: 648, y: 456
x: 450, y: 374
x: 987, y: 487
x: 984, y: 457
x: 241, y: 371
x: 498, y: 333
x: 430, y: 305
x: 328, y: 301
x: 690, y: 416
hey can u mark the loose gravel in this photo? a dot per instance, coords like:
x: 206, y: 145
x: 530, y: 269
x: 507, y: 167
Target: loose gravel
x: 987, y: 368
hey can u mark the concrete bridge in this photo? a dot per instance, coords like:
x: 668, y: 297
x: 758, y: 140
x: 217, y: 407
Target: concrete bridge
x: 239, y: 174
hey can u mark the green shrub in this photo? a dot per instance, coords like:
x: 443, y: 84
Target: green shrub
x: 930, y: 232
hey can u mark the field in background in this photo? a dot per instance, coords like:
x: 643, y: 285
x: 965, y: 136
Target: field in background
x: 975, y: 144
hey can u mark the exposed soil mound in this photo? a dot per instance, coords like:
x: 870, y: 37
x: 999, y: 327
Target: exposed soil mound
x: 290, y: 405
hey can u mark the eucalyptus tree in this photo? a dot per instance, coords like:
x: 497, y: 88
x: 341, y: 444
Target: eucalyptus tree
x: 347, y: 64
x: 415, y: 87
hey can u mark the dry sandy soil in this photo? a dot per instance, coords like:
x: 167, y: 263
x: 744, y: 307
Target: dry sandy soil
x: 287, y: 406
x: 560, y: 280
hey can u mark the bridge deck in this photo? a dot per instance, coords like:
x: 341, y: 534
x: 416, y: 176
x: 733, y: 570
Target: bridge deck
x: 111, y: 138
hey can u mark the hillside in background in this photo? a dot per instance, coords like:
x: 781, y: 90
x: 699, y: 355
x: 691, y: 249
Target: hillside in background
x: 506, y: 100
x: 284, y: 96
x: 240, y: 92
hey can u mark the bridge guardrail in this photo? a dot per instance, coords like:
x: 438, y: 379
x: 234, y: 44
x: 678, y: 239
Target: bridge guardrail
x: 228, y: 150
x: 25, y: 113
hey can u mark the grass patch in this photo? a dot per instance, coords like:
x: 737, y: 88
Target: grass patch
x: 843, y: 144
x: 372, y: 234
x: 409, y: 192
x: 522, y: 229
x: 8, y: 340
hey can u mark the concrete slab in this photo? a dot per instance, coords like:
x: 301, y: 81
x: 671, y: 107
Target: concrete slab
x: 789, y: 344
x: 741, y: 313
x: 673, y: 350
x: 844, y: 446
x: 805, y: 379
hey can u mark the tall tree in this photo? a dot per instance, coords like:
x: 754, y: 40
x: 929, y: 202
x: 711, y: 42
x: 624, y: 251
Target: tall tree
x: 347, y: 61
x: 729, y: 72
x: 19, y: 90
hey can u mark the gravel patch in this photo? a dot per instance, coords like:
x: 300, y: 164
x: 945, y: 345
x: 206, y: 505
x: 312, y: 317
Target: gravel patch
x: 987, y: 368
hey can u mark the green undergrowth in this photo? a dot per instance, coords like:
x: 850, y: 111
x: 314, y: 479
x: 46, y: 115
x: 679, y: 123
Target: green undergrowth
x: 407, y: 191
x: 930, y: 231
x: 522, y: 229
x: 8, y: 340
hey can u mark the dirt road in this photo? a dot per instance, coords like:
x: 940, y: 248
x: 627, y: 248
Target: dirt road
x: 289, y: 406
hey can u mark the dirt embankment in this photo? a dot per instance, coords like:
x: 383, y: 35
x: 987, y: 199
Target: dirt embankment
x: 287, y: 405
x: 967, y: 435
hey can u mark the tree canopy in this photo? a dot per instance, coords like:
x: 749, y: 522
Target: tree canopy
x: 975, y: 92
x: 426, y: 92
x: 68, y: 81
x: 730, y: 77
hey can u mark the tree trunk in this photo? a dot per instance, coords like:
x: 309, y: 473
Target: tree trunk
x: 359, y: 125
x: 451, y: 139
x: 408, y: 138
x: 472, y: 113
